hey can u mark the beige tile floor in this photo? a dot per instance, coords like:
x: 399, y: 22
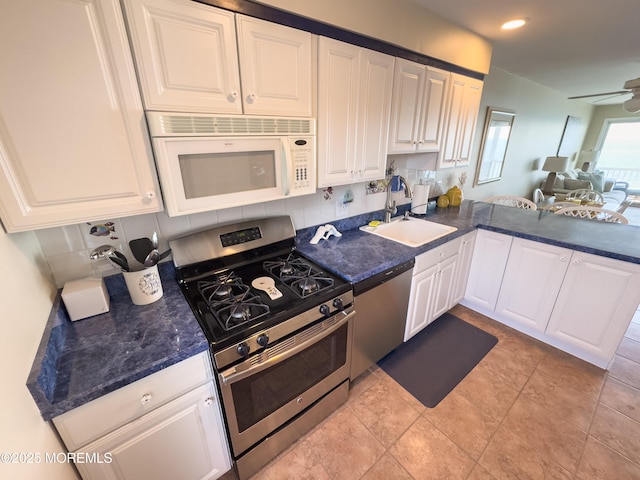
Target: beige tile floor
x: 526, y: 411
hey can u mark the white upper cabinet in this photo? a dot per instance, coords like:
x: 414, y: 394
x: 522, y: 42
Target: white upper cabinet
x: 462, y: 115
x: 74, y: 144
x: 419, y: 108
x: 276, y: 65
x: 187, y: 57
x: 354, y: 102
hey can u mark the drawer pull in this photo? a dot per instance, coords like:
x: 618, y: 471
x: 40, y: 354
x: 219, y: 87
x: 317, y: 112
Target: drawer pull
x: 146, y: 398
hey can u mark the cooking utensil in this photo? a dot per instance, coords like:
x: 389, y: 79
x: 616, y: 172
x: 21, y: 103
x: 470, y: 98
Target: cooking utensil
x: 164, y: 255
x: 110, y: 253
x: 123, y: 259
x: 141, y: 247
x: 101, y: 252
x: 152, y: 258
x: 123, y: 264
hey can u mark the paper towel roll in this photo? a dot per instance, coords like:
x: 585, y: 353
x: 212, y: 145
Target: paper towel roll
x: 419, y: 199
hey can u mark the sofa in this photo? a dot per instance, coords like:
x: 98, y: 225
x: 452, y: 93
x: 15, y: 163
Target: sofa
x: 576, y: 179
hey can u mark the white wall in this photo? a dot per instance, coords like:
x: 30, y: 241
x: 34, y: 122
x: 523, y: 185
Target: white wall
x: 26, y: 295
x: 402, y: 23
x: 600, y: 114
x: 541, y: 114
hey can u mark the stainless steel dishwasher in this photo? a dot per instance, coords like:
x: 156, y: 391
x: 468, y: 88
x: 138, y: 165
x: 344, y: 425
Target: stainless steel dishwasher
x: 381, y: 304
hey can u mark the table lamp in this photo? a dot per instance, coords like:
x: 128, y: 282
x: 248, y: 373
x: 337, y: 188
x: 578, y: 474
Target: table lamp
x: 553, y: 165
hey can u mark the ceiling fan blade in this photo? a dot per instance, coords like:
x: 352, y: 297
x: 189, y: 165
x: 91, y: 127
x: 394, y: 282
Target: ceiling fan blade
x: 619, y: 92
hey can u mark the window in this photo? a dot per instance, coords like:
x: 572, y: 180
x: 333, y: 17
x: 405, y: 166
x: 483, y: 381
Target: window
x: 619, y: 146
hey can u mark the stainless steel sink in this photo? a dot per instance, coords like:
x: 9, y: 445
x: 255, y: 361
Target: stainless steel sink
x: 413, y: 232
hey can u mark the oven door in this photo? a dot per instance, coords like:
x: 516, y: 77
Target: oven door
x: 270, y: 388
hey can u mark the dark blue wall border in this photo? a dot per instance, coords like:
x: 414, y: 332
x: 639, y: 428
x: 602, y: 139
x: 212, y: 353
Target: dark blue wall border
x: 282, y: 17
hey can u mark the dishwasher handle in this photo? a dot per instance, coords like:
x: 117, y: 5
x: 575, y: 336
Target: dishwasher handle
x: 382, y: 277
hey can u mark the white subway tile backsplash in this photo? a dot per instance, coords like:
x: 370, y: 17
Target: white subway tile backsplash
x: 202, y: 220
x: 70, y: 266
x: 67, y: 248
x: 56, y: 241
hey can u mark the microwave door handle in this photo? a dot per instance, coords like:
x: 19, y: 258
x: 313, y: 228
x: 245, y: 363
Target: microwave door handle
x: 286, y: 167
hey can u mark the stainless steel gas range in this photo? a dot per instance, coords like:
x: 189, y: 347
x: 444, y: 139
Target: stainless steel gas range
x: 279, y: 329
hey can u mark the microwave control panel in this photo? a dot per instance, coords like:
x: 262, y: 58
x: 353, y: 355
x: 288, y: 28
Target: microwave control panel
x: 303, y: 159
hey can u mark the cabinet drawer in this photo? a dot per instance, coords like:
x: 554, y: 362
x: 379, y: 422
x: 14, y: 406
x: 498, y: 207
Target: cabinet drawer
x: 102, y: 415
x: 438, y: 254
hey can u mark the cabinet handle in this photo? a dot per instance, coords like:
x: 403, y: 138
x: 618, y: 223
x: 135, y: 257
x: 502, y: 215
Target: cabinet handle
x: 251, y: 98
x: 353, y: 172
x: 576, y: 262
x: 146, y: 399
x: 208, y: 401
x: 232, y: 97
x: 441, y: 254
x: 563, y: 258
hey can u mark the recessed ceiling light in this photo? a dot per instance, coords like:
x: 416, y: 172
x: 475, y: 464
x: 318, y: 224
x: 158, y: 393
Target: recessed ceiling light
x: 513, y: 24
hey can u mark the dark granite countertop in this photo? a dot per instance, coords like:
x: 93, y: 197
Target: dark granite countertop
x: 79, y: 361
x: 358, y: 255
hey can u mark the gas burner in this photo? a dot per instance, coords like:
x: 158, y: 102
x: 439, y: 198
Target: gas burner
x: 286, y: 269
x: 299, y: 275
x: 221, y: 288
x: 306, y: 286
x: 230, y: 300
x: 239, y: 310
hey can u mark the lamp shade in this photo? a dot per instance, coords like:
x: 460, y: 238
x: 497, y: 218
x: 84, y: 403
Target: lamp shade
x: 556, y: 164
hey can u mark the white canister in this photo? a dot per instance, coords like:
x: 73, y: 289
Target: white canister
x: 420, y: 198
x: 144, y: 285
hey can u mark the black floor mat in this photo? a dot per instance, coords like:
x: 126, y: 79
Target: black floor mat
x: 434, y: 361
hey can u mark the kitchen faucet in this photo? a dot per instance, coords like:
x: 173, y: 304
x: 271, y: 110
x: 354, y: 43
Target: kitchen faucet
x: 390, y: 207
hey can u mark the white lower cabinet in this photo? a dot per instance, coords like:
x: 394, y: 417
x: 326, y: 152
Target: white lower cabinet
x: 435, y: 275
x: 595, y: 305
x: 490, y: 256
x: 533, y: 276
x: 464, y: 264
x: 165, y: 426
x: 575, y: 301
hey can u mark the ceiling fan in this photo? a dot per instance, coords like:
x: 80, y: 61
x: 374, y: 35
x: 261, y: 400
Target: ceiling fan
x: 630, y: 86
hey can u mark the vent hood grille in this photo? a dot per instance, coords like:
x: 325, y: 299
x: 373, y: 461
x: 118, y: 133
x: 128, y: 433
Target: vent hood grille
x: 176, y: 124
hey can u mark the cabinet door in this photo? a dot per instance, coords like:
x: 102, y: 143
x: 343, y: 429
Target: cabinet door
x: 338, y: 73
x: 422, y: 291
x: 74, y: 144
x: 471, y: 104
x: 464, y: 264
x: 443, y: 292
x: 408, y: 85
x: 433, y: 113
x: 186, y: 55
x: 595, y: 305
x: 184, y: 439
x: 276, y: 68
x: 462, y: 113
x: 490, y: 256
x: 374, y: 108
x: 532, y: 279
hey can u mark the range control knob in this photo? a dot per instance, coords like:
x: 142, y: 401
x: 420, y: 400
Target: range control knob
x: 243, y: 349
x: 325, y: 310
x: 337, y: 302
x: 263, y: 340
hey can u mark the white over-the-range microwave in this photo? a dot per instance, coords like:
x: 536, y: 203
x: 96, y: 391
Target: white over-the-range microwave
x: 210, y: 162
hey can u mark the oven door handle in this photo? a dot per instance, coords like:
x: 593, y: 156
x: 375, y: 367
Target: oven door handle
x: 233, y: 375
